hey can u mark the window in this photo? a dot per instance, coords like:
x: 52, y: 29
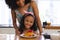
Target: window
x: 49, y: 10
x: 5, y: 14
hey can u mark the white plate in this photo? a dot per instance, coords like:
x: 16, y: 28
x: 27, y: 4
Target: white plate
x: 22, y: 35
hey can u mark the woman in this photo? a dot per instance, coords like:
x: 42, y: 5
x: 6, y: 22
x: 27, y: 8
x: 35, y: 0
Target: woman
x: 18, y: 8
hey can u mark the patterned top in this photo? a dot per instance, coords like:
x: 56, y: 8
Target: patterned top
x: 19, y: 15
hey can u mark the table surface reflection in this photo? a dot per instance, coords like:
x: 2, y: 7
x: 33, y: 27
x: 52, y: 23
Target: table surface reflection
x: 12, y: 37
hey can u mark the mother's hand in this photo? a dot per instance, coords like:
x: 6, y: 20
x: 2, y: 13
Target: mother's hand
x: 17, y: 32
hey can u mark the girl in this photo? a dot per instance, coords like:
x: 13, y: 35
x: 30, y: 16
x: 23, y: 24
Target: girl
x: 18, y: 8
x: 28, y: 22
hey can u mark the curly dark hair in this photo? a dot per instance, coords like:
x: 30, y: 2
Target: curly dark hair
x: 22, y: 27
x: 12, y: 3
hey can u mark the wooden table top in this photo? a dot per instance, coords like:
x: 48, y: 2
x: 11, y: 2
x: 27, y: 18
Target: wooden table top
x: 36, y: 38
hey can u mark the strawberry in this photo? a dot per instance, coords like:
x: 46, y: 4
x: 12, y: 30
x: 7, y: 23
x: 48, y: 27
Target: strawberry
x: 30, y: 31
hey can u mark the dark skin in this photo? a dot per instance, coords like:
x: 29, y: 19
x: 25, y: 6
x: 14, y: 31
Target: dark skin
x: 21, y: 10
x: 36, y: 13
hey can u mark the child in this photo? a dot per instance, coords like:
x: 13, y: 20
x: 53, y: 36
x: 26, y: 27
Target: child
x: 28, y: 22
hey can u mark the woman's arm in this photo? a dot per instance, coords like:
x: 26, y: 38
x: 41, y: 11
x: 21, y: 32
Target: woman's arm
x: 14, y: 22
x: 14, y: 18
x: 36, y: 13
